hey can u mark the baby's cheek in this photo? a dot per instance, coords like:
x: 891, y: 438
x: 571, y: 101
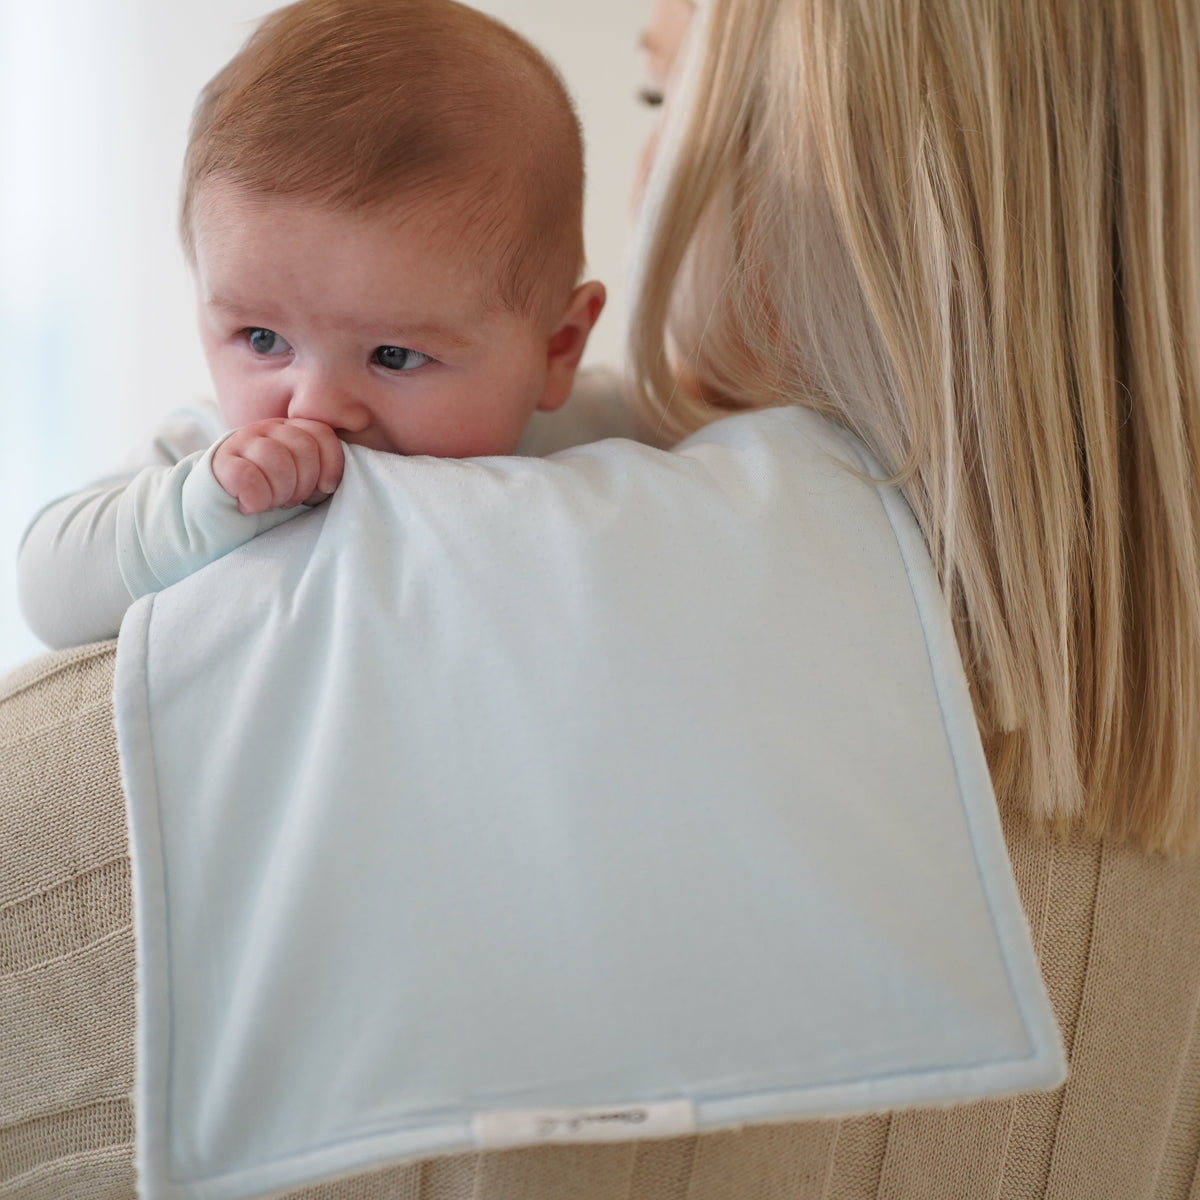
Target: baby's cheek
x: 242, y: 401
x: 464, y: 430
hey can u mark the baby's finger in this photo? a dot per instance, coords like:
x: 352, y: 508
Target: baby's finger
x: 305, y: 454
x: 331, y: 454
x: 245, y: 482
x: 274, y: 458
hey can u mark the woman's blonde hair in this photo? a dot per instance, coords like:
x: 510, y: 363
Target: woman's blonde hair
x: 970, y: 231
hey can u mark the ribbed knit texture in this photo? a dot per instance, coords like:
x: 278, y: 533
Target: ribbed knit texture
x: 1118, y: 935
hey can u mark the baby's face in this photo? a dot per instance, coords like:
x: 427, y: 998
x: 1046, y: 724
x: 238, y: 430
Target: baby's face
x: 372, y: 324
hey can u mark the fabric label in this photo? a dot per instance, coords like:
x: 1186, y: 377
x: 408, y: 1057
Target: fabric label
x: 603, y: 1123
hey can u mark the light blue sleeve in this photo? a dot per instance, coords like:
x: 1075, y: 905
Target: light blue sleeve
x: 86, y: 557
x: 171, y: 521
x: 68, y: 585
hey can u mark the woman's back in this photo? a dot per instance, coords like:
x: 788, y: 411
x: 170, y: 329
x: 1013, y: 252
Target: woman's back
x: 969, y: 230
x: 1117, y: 932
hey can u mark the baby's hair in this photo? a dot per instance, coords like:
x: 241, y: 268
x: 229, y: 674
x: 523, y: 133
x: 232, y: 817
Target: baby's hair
x: 368, y: 105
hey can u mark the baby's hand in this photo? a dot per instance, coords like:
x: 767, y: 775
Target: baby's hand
x: 279, y: 463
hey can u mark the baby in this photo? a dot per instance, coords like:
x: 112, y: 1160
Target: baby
x: 382, y: 209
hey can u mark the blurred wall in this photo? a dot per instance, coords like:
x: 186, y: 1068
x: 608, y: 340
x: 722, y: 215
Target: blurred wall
x: 96, y: 326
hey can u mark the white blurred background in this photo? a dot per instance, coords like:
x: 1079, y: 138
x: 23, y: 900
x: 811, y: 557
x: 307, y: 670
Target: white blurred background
x: 97, y: 341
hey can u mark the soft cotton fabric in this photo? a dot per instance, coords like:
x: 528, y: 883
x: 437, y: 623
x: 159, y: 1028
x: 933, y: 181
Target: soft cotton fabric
x: 479, y: 790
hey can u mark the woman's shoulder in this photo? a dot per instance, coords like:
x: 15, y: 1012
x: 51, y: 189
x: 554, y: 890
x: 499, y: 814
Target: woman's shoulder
x: 598, y: 407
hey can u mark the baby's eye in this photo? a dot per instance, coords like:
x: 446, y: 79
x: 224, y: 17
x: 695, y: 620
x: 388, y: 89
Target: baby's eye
x: 396, y: 358
x: 266, y: 342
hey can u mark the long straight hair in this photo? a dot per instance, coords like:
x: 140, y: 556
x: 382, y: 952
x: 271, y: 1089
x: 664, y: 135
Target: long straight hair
x: 969, y: 230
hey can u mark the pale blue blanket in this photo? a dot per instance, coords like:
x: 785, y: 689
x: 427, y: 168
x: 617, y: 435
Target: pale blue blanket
x: 617, y: 793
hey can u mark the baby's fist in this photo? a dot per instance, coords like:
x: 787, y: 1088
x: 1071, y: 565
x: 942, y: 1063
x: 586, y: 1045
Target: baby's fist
x: 279, y: 463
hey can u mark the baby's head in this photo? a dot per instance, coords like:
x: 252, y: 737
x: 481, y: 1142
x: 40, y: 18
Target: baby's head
x: 382, y: 205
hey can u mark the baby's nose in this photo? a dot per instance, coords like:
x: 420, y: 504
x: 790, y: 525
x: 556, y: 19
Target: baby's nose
x: 323, y: 399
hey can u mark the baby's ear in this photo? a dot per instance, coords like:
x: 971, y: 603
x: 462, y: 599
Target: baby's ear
x: 568, y: 341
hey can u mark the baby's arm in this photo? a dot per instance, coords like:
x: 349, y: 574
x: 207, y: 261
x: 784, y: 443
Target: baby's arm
x: 68, y: 582
x: 87, y: 557
x: 68, y: 579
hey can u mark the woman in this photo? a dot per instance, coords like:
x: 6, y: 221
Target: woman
x: 970, y: 231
